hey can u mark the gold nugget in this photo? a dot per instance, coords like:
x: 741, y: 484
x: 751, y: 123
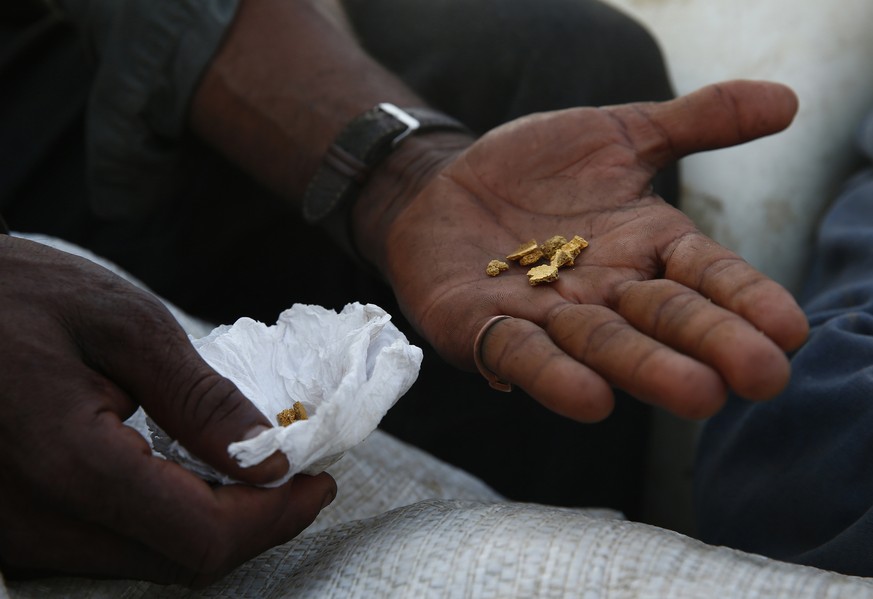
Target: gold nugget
x: 566, y: 254
x: 562, y: 258
x: 545, y: 273
x: 577, y: 242
x: 495, y: 267
x: 523, y: 250
x: 552, y: 245
x: 531, y: 258
x: 557, y: 250
x: 292, y: 414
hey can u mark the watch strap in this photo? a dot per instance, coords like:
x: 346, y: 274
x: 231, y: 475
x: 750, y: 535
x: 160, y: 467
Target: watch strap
x: 357, y: 150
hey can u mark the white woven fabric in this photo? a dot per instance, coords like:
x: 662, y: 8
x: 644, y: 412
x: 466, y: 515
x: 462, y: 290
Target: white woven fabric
x: 383, y: 538
x: 407, y: 525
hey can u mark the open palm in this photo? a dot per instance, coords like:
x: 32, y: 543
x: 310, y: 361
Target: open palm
x: 652, y: 306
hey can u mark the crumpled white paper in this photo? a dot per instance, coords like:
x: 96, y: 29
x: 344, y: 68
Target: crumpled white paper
x: 347, y: 369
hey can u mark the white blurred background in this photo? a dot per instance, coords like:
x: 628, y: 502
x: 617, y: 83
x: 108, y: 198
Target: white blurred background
x: 763, y: 199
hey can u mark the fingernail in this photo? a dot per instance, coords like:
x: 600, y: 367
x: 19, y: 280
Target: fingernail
x: 274, y: 467
x: 328, y: 498
x: 271, y: 469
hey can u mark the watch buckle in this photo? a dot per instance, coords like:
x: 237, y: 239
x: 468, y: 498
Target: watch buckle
x: 412, y: 123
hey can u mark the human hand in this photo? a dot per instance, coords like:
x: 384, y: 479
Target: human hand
x: 82, y: 494
x: 652, y: 305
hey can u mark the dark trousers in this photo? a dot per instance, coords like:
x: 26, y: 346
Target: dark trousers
x: 792, y: 478
x: 222, y: 247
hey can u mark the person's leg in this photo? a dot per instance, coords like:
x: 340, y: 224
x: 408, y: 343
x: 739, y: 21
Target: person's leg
x: 793, y: 478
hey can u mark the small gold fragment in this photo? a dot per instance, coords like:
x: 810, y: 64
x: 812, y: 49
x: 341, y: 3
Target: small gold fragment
x: 566, y: 254
x: 495, y: 267
x: 551, y: 245
x: 291, y: 415
x: 579, y: 241
x: 532, y: 258
x: 523, y: 250
x: 542, y: 274
x: 557, y: 250
x: 562, y: 258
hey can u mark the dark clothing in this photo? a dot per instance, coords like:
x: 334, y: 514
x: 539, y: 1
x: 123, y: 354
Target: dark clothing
x: 793, y: 478
x: 220, y: 247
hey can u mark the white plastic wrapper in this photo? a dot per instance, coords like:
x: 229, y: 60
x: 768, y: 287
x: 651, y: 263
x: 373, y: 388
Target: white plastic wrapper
x: 347, y: 369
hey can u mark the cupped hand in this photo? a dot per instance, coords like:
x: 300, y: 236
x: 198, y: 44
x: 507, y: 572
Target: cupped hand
x: 651, y: 306
x: 80, y: 350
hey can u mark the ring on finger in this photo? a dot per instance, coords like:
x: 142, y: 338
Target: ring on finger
x: 493, y: 380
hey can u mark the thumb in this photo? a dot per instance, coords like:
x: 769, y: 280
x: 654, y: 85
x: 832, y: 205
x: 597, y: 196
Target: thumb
x: 716, y: 116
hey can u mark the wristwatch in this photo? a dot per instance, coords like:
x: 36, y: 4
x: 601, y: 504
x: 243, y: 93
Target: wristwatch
x: 357, y: 150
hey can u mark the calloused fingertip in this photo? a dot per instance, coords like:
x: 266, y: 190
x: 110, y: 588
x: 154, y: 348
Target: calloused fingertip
x: 790, y: 105
x: 702, y: 409
x: 774, y: 91
x: 272, y: 469
x: 697, y: 403
x: 773, y: 379
x: 583, y: 404
x: 594, y: 412
x: 702, y: 394
x: 321, y: 479
x: 330, y: 495
x: 791, y: 99
x: 786, y: 325
x: 796, y: 336
x: 777, y: 315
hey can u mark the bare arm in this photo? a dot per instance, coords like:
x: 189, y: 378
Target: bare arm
x: 288, y: 78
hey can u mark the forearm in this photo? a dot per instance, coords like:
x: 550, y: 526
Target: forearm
x: 285, y: 81
x: 289, y: 76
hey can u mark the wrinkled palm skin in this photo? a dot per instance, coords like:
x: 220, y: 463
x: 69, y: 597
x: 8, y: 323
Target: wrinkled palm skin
x: 652, y: 305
